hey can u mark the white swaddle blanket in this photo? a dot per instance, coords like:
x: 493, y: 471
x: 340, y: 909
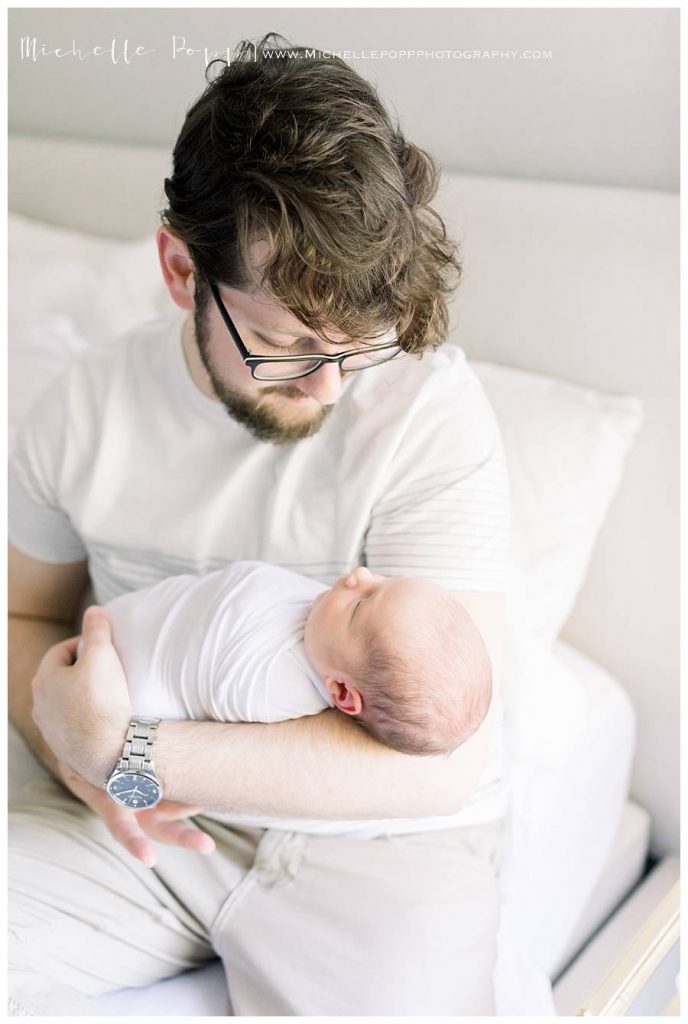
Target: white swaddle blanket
x: 225, y: 646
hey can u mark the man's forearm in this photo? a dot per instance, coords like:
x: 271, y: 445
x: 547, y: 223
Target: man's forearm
x: 321, y: 766
x: 28, y: 640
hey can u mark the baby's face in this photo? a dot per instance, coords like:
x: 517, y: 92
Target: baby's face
x: 341, y: 618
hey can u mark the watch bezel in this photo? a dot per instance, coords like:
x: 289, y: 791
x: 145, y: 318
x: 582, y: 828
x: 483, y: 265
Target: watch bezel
x: 133, y: 773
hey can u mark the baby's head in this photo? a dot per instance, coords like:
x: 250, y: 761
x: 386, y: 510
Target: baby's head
x: 403, y: 656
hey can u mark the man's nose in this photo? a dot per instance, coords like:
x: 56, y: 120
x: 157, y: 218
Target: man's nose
x: 325, y: 384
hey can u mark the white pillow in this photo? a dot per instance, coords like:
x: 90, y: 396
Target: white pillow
x: 67, y: 292
x: 565, y: 447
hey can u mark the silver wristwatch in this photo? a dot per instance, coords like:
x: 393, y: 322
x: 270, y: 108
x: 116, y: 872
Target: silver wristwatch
x: 133, y: 782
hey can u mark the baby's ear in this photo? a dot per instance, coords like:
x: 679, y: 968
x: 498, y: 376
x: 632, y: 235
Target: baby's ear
x: 345, y: 696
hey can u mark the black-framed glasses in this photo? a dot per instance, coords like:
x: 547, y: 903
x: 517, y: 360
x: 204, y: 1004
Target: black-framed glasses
x: 284, y: 368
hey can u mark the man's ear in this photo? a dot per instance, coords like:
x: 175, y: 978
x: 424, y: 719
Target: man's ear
x: 177, y: 268
x: 345, y: 695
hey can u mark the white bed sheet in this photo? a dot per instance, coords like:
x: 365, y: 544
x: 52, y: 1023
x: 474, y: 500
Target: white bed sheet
x: 566, y: 806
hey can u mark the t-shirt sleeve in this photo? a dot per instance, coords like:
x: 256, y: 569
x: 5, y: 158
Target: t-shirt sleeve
x: 38, y: 523
x: 445, y: 512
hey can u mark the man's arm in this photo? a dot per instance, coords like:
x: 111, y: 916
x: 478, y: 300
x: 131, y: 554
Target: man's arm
x: 323, y: 766
x: 43, y: 601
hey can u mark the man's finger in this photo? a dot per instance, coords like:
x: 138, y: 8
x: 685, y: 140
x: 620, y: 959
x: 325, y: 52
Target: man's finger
x: 133, y: 839
x: 120, y: 822
x: 124, y: 827
x: 95, y: 628
x: 170, y: 810
x: 180, y: 833
x: 135, y: 829
x: 62, y: 654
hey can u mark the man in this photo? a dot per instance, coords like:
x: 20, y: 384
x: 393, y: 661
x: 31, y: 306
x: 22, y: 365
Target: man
x: 345, y: 878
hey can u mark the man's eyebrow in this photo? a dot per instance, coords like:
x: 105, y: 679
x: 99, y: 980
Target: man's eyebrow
x: 302, y: 337
x: 314, y: 340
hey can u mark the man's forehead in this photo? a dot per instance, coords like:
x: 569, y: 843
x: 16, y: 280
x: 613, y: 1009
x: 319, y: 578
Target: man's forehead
x: 263, y: 313
x: 261, y: 308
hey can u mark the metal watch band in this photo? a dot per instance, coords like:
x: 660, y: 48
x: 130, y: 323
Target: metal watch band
x: 138, y: 745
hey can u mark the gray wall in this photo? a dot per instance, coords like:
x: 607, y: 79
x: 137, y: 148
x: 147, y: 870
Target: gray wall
x: 602, y: 109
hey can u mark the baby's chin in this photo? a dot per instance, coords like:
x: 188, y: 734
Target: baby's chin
x: 310, y: 638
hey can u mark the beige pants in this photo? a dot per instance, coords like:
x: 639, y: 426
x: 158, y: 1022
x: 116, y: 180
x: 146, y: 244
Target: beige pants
x: 305, y: 925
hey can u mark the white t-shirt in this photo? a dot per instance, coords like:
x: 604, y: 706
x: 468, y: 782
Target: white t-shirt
x: 226, y: 646
x: 124, y: 461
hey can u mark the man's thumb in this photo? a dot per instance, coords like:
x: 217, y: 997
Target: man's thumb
x: 95, y: 627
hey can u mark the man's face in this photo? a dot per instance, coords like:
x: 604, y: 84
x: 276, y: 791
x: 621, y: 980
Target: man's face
x: 276, y: 411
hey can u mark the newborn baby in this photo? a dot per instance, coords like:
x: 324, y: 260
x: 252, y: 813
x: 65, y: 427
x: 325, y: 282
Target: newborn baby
x: 257, y: 643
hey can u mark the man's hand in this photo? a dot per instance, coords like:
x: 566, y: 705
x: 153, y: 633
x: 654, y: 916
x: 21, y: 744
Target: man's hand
x: 134, y: 829
x: 81, y: 705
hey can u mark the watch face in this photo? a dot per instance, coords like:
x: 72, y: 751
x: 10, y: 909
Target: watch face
x: 134, y: 790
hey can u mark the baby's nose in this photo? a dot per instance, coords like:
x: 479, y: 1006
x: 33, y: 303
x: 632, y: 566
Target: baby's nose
x: 360, y: 575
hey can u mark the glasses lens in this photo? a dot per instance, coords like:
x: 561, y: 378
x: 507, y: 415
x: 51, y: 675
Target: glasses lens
x: 285, y: 371
x: 362, y: 360
x: 288, y: 370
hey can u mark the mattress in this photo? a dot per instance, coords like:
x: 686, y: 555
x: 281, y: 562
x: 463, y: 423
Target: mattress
x: 623, y: 870
x: 574, y: 730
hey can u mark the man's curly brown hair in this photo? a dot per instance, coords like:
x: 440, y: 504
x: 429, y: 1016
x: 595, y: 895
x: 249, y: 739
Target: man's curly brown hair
x: 300, y: 152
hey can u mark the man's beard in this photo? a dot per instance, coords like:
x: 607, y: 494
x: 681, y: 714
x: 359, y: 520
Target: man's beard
x: 253, y: 412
